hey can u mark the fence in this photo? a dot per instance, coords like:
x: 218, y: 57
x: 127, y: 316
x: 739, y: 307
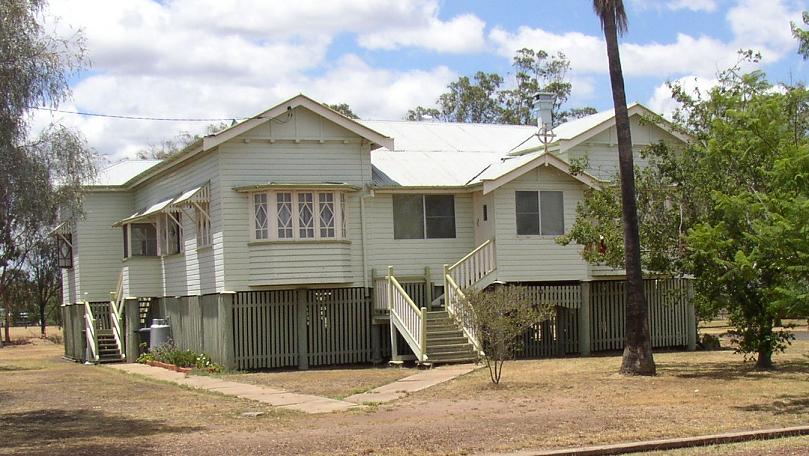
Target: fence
x: 559, y: 335
x: 194, y: 322
x: 74, y: 340
x: 671, y: 316
x: 286, y: 328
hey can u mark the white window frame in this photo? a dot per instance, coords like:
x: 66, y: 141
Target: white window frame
x: 539, y: 214
x: 164, y: 220
x: 203, y: 224
x: 339, y: 205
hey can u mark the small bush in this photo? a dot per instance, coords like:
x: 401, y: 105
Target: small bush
x: 168, y: 353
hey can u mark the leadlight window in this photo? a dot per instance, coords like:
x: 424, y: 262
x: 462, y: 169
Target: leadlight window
x: 540, y: 213
x: 260, y: 216
x: 203, y: 225
x: 65, y: 244
x: 283, y: 204
x: 299, y: 215
x: 325, y: 205
x: 306, y: 215
x: 423, y: 216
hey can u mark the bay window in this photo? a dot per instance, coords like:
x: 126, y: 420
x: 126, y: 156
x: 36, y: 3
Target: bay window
x: 298, y: 215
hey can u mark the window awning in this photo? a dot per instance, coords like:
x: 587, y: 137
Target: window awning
x: 140, y: 215
x: 61, y: 229
x: 195, y: 195
x: 337, y: 186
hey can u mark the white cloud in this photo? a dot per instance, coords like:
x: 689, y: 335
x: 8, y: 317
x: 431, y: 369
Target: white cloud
x: 217, y: 59
x: 662, y: 102
x: 754, y: 27
x: 676, y: 5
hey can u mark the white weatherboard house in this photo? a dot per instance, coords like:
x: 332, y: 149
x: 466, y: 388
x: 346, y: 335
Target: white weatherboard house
x: 301, y: 237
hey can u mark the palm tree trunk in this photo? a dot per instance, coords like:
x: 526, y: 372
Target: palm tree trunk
x: 637, y: 359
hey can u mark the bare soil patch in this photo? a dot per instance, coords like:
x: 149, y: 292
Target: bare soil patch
x: 336, y: 383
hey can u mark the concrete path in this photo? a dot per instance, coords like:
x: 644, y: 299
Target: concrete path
x: 275, y: 397
x: 413, y: 383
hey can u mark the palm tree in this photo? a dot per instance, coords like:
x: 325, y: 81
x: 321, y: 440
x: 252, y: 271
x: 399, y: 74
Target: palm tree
x: 638, y: 359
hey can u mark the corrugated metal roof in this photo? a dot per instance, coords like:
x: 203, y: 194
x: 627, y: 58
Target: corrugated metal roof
x: 121, y: 172
x: 452, y: 154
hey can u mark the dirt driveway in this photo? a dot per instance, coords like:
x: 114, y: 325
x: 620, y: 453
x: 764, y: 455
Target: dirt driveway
x: 51, y: 406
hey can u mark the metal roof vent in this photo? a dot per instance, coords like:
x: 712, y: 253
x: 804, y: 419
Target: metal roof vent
x: 543, y: 105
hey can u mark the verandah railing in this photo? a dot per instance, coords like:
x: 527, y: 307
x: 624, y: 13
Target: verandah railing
x: 409, y: 319
x: 90, y: 333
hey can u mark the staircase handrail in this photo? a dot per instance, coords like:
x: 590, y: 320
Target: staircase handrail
x: 90, y: 331
x: 117, y: 330
x: 454, y: 299
x: 407, y: 316
x: 476, y: 265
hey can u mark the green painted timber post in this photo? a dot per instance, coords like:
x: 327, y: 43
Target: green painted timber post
x: 227, y: 353
x: 303, y: 345
x: 131, y: 326
x: 691, y: 318
x: 584, y: 319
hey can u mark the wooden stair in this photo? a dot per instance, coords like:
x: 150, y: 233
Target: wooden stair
x: 446, y: 342
x: 108, y: 351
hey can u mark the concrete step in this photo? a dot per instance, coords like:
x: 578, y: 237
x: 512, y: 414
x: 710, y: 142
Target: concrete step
x: 452, y: 358
x: 447, y: 340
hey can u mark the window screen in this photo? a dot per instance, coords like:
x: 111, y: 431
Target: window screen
x: 408, y: 217
x: 552, y: 213
x: 527, y: 212
x: 439, y: 216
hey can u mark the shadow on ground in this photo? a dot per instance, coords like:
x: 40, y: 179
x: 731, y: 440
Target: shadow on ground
x: 784, y: 405
x: 731, y: 371
x: 27, y: 431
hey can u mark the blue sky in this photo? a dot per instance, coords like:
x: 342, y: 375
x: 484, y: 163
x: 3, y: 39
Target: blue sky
x: 213, y: 59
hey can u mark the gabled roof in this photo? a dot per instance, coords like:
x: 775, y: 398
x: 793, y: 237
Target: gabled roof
x: 210, y: 142
x: 121, y: 172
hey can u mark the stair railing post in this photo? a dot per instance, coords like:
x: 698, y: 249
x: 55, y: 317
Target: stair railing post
x: 423, y: 341
x: 394, y: 341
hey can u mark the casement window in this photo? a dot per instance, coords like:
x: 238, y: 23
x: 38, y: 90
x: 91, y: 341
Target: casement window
x: 171, y: 233
x: 298, y: 215
x: 143, y: 239
x: 423, y: 216
x: 203, y: 225
x: 65, y: 251
x: 540, y: 213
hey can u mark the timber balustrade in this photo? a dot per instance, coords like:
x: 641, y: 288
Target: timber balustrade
x: 409, y: 319
x: 470, y: 269
x: 90, y: 332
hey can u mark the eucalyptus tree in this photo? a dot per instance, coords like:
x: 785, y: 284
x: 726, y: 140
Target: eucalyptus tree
x: 40, y: 175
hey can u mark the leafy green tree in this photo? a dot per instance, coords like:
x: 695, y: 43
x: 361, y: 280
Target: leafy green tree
x: 45, y: 278
x: 499, y: 318
x: 485, y: 99
x: 344, y: 109
x: 40, y: 175
x: 172, y: 146
x: 638, y: 358
x: 731, y: 208
x: 802, y: 36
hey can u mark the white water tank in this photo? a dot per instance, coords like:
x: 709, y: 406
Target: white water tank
x: 159, y: 333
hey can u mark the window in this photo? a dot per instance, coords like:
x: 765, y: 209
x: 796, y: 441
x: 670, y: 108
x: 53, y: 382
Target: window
x: 171, y: 233
x: 260, y: 215
x: 540, y: 213
x: 144, y: 239
x: 299, y: 215
x: 203, y: 225
x: 283, y: 204
x: 423, y: 216
x: 65, y: 243
x: 325, y: 206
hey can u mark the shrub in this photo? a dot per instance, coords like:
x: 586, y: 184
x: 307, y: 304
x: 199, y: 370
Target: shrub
x: 500, y: 317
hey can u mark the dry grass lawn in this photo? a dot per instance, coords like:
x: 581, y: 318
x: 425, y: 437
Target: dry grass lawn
x: 51, y: 406
x: 335, y: 383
